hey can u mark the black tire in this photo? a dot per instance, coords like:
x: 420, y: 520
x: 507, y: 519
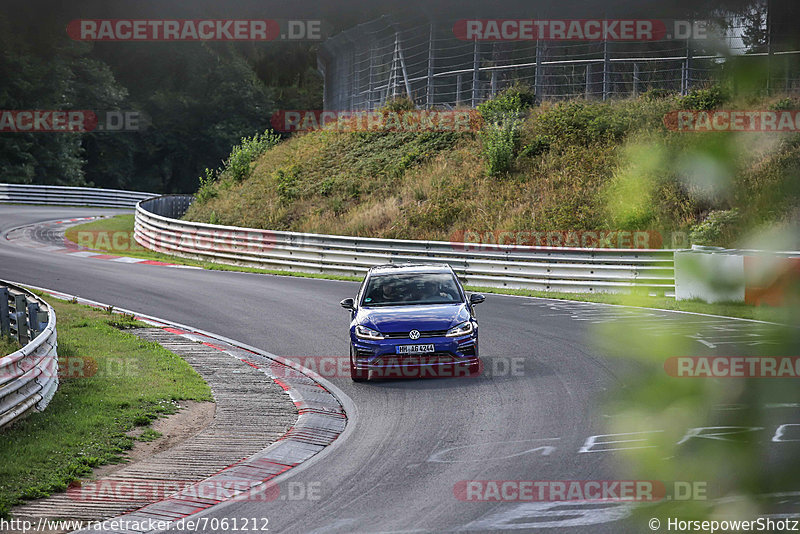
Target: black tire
x: 357, y: 375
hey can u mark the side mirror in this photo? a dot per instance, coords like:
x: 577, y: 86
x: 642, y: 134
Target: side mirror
x: 476, y: 298
x: 348, y: 304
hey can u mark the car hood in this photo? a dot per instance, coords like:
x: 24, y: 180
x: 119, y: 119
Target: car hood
x: 406, y: 318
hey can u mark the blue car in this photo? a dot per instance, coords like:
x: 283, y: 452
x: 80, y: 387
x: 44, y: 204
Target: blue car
x: 412, y: 320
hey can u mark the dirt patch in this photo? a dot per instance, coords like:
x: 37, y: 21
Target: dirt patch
x: 189, y: 420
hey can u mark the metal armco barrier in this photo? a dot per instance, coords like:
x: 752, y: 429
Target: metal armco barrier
x: 70, y: 196
x: 29, y: 376
x: 542, y: 268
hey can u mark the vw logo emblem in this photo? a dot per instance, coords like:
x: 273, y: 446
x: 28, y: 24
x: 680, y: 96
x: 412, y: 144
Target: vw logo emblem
x: 414, y: 334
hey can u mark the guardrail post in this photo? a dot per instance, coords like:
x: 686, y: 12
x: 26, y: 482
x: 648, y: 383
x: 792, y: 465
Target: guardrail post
x: 33, y: 319
x: 5, y: 323
x: 20, y: 313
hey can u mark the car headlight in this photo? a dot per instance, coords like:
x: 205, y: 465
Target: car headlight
x: 461, y: 329
x: 367, y: 333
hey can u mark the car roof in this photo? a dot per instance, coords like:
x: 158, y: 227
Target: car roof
x: 393, y: 268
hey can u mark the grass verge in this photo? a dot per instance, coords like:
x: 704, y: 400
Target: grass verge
x: 114, y: 383
x: 8, y: 345
x: 115, y: 236
x: 124, y: 223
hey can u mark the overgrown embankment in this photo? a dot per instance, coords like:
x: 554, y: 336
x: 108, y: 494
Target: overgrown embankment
x: 567, y: 166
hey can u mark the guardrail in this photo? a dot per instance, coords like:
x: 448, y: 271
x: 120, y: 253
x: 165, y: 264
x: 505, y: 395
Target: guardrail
x: 29, y: 376
x: 70, y: 196
x: 542, y: 268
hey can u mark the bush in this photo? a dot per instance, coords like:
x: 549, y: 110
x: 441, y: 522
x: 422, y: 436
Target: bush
x: 720, y: 228
x: 499, y: 145
x: 398, y: 104
x: 705, y: 99
x: 502, y: 116
x: 539, y: 145
x: 238, y: 165
x: 207, y: 189
x: 510, y: 103
x: 582, y: 123
x: 786, y: 104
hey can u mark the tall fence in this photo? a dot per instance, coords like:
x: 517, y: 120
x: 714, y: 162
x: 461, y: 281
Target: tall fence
x: 29, y: 376
x: 510, y: 266
x: 434, y: 65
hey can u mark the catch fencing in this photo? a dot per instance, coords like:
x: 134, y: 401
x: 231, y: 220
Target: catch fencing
x: 427, y: 61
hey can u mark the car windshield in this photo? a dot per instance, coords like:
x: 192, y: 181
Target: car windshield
x: 397, y: 289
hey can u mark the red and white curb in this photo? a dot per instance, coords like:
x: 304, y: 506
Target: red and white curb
x: 323, y: 415
x: 24, y: 236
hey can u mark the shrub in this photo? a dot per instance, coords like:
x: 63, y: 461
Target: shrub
x: 238, y: 166
x: 539, y: 145
x: 705, y: 99
x: 720, y: 228
x: 511, y: 102
x: 499, y: 145
x: 402, y: 103
x: 500, y: 135
x: 207, y: 190
x: 785, y: 104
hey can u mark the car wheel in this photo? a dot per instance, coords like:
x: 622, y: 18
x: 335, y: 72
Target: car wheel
x: 357, y: 375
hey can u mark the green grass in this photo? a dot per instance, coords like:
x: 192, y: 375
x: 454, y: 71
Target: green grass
x: 8, y: 345
x: 124, y: 223
x: 127, y: 382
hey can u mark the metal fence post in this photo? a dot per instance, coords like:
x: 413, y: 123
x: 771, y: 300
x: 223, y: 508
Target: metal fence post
x: 5, y: 324
x: 588, y: 81
x: 429, y: 98
x: 475, y: 73
x: 371, y: 89
x: 538, y: 90
x: 635, y: 80
x: 686, y: 80
x: 21, y: 317
x: 403, y: 66
x: 606, y: 68
x: 459, y: 81
x: 33, y: 319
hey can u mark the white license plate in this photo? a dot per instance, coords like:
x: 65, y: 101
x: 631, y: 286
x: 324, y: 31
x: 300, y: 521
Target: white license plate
x: 414, y: 349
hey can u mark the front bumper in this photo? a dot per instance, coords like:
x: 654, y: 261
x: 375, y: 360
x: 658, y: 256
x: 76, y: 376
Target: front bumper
x: 452, y: 356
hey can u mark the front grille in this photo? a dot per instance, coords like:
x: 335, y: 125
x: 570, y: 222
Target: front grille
x: 422, y: 334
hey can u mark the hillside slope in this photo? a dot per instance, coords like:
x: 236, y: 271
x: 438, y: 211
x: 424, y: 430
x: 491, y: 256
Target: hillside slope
x: 573, y: 166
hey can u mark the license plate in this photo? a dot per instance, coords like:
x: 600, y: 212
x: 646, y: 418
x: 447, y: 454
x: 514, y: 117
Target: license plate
x: 414, y: 349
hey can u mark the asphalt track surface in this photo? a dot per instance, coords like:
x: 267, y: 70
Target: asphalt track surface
x: 548, y: 368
